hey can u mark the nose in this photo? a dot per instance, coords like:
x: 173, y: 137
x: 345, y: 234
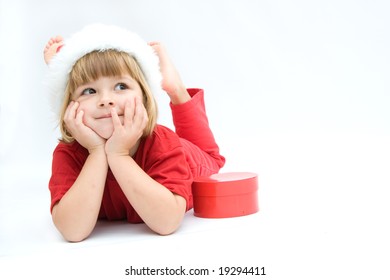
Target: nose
x: 106, y: 100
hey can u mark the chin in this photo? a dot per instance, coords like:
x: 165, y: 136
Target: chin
x: 106, y: 134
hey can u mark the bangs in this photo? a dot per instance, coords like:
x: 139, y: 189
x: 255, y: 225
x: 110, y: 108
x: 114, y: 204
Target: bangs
x: 98, y: 64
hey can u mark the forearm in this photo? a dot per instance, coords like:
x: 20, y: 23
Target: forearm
x: 76, y: 213
x: 158, y: 207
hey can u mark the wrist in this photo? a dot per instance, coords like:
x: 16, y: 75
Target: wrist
x: 115, y: 160
x: 96, y: 150
x: 123, y: 152
x: 116, y: 155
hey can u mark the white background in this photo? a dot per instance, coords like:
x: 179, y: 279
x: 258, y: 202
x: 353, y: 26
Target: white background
x: 296, y: 91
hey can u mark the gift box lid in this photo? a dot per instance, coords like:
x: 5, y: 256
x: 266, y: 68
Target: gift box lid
x: 225, y: 184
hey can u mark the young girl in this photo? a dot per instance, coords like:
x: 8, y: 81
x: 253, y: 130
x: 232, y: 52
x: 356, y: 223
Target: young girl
x: 113, y: 161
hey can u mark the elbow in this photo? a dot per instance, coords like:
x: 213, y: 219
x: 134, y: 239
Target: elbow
x: 165, y: 232
x: 171, y: 223
x: 74, y: 238
x: 166, y: 229
x: 72, y: 233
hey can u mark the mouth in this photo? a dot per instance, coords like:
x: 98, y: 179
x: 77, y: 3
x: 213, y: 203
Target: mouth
x: 107, y: 116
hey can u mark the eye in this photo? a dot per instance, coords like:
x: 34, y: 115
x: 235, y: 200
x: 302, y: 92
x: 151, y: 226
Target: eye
x: 88, y: 91
x: 121, y: 86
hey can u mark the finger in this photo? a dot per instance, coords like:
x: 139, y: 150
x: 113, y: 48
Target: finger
x: 67, y: 109
x: 79, y: 118
x: 138, y: 109
x: 70, y: 113
x: 140, y: 116
x: 70, y: 117
x: 129, y: 112
x: 115, y: 118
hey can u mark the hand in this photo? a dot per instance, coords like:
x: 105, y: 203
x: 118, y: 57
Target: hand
x: 125, y: 138
x: 87, y: 138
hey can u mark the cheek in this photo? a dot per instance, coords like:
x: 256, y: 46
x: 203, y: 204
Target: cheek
x: 82, y: 107
x: 87, y: 115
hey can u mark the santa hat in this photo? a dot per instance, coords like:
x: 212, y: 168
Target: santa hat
x: 99, y: 37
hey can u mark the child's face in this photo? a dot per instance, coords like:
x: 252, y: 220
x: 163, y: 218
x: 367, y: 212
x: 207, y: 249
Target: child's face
x: 98, y: 97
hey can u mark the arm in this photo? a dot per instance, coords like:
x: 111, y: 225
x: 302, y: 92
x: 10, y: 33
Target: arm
x: 75, y: 215
x: 158, y: 207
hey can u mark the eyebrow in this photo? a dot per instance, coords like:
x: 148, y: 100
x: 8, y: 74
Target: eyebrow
x: 127, y: 78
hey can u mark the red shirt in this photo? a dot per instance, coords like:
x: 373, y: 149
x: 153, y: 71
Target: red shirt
x: 172, y: 159
x: 161, y: 156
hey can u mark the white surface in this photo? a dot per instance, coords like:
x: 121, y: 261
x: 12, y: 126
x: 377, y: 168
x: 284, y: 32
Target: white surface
x: 297, y: 92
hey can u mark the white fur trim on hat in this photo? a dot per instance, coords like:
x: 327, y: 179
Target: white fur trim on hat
x: 100, y: 37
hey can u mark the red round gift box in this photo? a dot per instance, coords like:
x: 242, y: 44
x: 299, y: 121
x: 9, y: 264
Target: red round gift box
x: 225, y: 195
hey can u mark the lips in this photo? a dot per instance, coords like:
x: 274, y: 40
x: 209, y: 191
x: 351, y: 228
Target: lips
x: 104, y: 116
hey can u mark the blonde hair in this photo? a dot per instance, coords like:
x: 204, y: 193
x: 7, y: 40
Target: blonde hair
x: 107, y: 63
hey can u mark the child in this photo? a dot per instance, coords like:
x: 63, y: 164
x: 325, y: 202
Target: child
x: 113, y: 161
